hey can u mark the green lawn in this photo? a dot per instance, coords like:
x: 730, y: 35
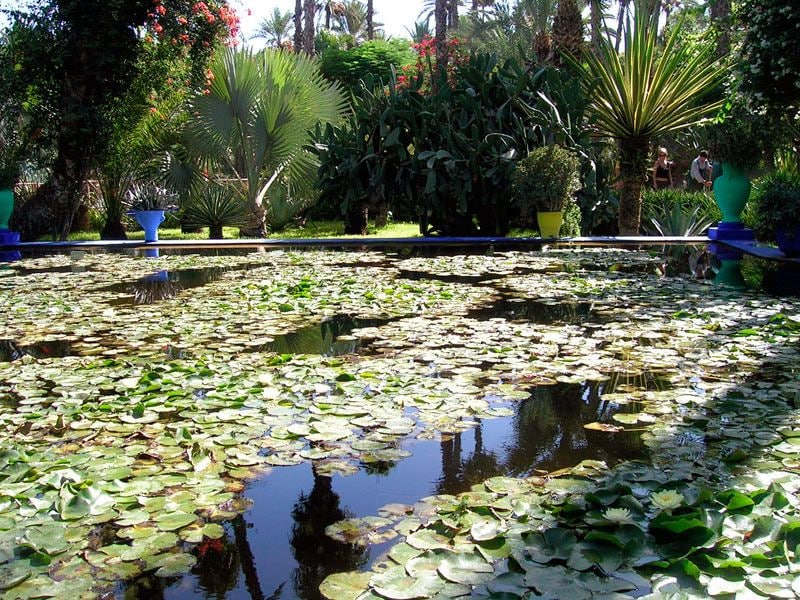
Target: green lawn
x: 317, y: 229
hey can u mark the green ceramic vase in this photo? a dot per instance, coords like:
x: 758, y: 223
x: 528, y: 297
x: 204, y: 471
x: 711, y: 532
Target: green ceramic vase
x: 731, y: 191
x: 6, y: 207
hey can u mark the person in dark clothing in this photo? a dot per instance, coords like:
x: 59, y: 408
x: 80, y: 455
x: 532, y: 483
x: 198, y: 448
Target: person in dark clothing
x: 662, y: 171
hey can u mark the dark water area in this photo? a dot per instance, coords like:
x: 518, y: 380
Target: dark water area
x: 331, y: 337
x: 11, y: 350
x: 162, y: 285
x: 278, y: 549
x: 535, y: 311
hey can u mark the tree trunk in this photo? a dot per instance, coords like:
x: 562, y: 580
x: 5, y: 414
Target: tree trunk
x: 256, y: 224
x: 440, y: 16
x: 53, y: 206
x: 721, y: 20
x: 356, y: 221
x: 623, y: 7
x: 215, y: 232
x: 113, y: 230
x: 452, y: 14
x: 298, y: 26
x: 596, y: 22
x: 633, y: 173
x: 308, y: 33
x: 370, y: 15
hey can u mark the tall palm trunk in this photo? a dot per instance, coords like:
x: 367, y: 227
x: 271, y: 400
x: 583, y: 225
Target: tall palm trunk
x: 595, y: 21
x: 440, y: 16
x: 370, y: 15
x: 633, y: 173
x: 452, y: 14
x: 298, y: 26
x: 309, y: 8
x: 623, y: 8
x: 721, y: 18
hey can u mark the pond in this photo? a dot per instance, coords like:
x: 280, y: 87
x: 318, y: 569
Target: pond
x: 245, y: 426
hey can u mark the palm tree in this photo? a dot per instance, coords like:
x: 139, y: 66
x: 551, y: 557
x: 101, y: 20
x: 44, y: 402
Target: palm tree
x: 254, y: 122
x: 275, y: 28
x: 298, y: 26
x: 309, y: 10
x: 567, y: 31
x: 645, y: 93
x: 422, y: 29
x: 370, y: 15
x: 440, y: 20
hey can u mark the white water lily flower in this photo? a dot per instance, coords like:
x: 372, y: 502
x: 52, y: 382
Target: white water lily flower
x: 667, y: 499
x: 618, y: 515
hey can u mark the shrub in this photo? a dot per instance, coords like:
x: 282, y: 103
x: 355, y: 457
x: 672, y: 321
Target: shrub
x: 215, y: 207
x: 376, y: 57
x: 776, y: 203
x: 545, y: 180
x: 673, y: 211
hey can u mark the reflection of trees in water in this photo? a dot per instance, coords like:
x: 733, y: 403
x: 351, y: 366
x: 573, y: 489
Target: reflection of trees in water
x: 317, y: 554
x: 547, y: 433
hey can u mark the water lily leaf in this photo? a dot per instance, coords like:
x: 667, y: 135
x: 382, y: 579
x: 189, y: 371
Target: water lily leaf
x: 426, y: 539
x: 173, y: 521
x: 401, y: 553
x: 12, y: 575
x: 396, y: 585
x: 133, y: 517
x: 466, y: 569
x: 174, y: 564
x: 345, y: 586
x: 485, y: 530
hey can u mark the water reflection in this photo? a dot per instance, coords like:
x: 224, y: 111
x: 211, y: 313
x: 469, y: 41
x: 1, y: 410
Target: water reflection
x: 534, y: 311
x: 318, y: 555
x: 162, y: 285
x: 328, y: 338
x: 11, y: 350
x: 281, y: 550
x: 547, y: 433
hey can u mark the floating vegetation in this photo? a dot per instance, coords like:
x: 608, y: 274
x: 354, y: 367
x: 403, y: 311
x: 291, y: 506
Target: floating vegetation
x: 128, y: 445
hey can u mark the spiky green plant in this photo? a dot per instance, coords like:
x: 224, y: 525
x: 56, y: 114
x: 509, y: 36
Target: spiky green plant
x: 217, y: 206
x: 646, y: 92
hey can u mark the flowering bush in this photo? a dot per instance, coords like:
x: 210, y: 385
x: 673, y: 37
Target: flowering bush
x: 425, y: 67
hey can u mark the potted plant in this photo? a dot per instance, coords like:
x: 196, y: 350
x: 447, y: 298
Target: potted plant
x: 545, y: 181
x: 777, y: 210
x: 9, y: 170
x: 148, y: 203
x: 735, y: 141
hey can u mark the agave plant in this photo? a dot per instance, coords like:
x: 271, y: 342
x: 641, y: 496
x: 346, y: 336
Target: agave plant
x: 254, y: 121
x: 646, y: 92
x: 217, y: 206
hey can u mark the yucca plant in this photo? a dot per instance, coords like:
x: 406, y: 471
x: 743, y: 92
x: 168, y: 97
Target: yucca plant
x: 646, y: 92
x: 254, y: 119
x: 217, y: 206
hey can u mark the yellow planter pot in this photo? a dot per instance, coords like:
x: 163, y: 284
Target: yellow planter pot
x: 549, y: 223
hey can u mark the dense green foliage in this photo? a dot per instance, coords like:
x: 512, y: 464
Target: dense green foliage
x: 777, y: 203
x: 546, y: 179
x: 449, y: 154
x: 672, y: 211
x: 376, y: 57
x: 771, y: 55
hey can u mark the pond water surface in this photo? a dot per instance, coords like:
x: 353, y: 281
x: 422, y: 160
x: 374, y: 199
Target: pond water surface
x: 430, y: 376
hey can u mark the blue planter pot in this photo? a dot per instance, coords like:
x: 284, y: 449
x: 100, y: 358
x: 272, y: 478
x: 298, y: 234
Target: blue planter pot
x: 788, y: 240
x: 149, y: 220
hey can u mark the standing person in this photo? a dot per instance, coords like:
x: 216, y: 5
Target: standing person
x: 662, y: 171
x: 700, y: 173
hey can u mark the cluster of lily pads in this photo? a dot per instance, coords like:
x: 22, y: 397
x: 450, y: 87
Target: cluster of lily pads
x: 124, y: 452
